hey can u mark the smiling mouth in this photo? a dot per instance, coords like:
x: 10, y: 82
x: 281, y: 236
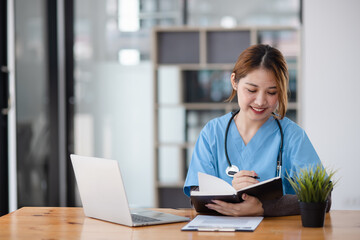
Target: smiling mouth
x: 258, y: 110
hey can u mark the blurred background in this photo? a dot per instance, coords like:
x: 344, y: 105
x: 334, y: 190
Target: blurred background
x: 105, y: 79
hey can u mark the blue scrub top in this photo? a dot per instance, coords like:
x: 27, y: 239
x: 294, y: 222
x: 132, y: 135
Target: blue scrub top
x: 260, y: 154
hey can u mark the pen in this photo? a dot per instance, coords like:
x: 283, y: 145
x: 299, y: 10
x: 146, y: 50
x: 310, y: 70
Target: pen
x: 233, y: 173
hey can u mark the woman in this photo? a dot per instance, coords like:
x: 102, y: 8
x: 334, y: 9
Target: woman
x: 260, y: 82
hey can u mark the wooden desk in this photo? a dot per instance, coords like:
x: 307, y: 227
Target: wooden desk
x: 70, y: 223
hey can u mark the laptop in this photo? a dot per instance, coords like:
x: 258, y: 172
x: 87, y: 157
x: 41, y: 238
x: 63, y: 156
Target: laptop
x: 103, y: 194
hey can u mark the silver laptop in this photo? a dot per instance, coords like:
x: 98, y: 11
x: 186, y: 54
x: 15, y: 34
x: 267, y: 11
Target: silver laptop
x: 103, y: 194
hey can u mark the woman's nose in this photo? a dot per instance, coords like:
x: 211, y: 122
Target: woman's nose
x: 260, y: 99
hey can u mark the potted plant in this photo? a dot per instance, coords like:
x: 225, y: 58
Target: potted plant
x: 312, y: 186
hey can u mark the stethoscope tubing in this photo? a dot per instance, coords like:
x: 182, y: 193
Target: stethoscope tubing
x: 279, y: 158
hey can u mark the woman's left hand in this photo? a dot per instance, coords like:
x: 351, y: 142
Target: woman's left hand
x: 251, y: 206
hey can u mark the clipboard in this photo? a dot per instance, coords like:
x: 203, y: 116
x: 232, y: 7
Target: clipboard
x: 206, y: 223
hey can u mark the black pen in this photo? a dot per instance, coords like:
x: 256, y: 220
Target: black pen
x: 233, y: 173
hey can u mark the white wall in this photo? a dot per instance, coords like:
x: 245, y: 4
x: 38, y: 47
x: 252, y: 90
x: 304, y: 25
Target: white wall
x: 331, y: 91
x: 127, y: 129
x: 114, y: 119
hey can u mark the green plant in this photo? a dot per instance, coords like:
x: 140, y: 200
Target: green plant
x: 312, y: 184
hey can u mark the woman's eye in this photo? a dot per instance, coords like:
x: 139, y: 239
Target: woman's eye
x: 272, y: 93
x: 252, y: 91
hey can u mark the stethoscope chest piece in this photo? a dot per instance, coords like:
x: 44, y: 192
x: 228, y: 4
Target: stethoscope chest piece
x: 232, y: 170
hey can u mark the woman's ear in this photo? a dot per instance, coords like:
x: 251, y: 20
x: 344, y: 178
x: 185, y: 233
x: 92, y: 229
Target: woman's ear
x: 233, y: 82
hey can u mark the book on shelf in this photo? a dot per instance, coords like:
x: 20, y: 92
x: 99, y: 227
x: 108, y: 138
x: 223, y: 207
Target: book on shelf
x: 214, y: 188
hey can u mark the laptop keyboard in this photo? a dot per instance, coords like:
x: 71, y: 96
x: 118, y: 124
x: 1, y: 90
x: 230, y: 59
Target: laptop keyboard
x: 142, y: 219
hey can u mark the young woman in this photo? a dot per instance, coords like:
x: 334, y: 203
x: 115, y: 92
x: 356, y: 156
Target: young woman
x: 260, y: 141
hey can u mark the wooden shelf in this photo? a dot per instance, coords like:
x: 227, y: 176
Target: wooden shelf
x: 204, y: 66
x: 170, y: 185
x: 183, y: 145
x: 200, y: 106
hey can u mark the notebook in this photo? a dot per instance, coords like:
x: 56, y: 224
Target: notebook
x: 214, y: 188
x: 103, y: 194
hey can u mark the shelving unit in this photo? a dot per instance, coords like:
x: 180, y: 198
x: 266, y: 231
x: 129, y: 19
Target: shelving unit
x: 192, y: 68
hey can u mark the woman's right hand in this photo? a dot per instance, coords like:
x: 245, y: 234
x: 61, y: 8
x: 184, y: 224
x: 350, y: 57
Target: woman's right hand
x: 243, y: 179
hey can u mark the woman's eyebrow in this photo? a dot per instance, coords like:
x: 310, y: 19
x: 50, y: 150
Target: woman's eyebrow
x: 254, y: 85
x: 251, y: 84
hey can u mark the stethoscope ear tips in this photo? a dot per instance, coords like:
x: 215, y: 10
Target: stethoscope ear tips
x: 231, y: 170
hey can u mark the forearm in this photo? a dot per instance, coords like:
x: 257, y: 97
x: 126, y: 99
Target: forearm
x: 285, y: 206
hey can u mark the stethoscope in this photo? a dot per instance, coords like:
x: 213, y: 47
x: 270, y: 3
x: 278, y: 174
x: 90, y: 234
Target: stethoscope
x: 232, y: 169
